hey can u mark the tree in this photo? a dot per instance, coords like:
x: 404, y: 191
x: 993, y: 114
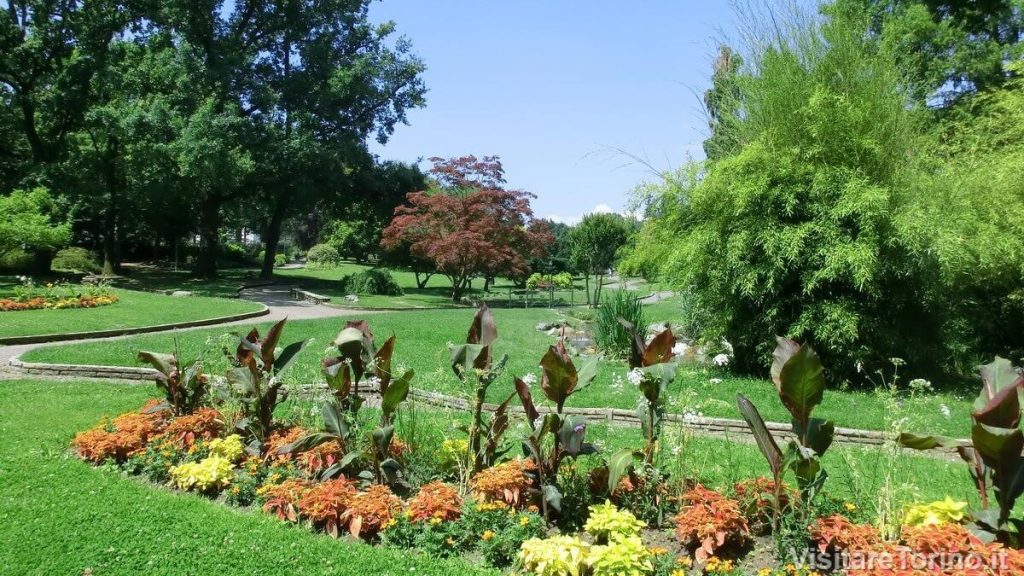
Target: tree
x: 947, y: 48
x: 721, y: 102
x: 26, y: 223
x: 595, y: 244
x: 465, y: 229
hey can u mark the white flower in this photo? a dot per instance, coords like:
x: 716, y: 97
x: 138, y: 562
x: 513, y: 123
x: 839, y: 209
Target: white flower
x: 635, y: 376
x: 720, y: 360
x: 530, y: 379
x: 352, y: 298
x: 373, y: 382
x: 691, y: 416
x: 716, y: 380
x: 538, y: 422
x: 944, y: 410
x: 675, y: 450
x: 617, y: 382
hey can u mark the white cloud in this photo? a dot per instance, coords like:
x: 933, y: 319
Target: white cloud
x: 573, y: 220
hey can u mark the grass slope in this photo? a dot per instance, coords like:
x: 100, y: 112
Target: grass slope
x: 61, y: 516
x: 135, y: 309
x: 421, y: 345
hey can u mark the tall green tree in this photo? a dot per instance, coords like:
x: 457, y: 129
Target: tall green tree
x: 27, y: 223
x: 595, y: 243
x: 721, y: 103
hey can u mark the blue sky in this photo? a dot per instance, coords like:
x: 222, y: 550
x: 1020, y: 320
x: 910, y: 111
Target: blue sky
x: 554, y: 87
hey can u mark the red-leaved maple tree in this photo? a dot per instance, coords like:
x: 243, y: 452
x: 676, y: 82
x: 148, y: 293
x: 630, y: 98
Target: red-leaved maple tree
x: 470, y: 226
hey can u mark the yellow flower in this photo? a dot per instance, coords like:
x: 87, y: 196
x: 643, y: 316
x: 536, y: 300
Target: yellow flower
x: 850, y: 507
x: 678, y: 572
x: 685, y: 561
x: 764, y: 572
x: 524, y: 520
x: 790, y: 568
x: 435, y: 521
x: 391, y: 522
x: 487, y: 535
x: 657, y: 550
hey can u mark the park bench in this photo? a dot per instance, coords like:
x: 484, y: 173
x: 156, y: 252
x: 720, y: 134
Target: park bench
x: 313, y: 298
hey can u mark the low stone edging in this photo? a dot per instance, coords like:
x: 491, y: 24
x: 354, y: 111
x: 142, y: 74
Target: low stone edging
x: 609, y: 416
x: 72, y: 336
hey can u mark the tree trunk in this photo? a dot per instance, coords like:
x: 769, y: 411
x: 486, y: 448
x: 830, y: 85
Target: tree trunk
x: 458, y: 287
x: 110, y: 261
x: 586, y: 286
x: 209, y: 238
x: 271, y: 237
x: 599, y: 281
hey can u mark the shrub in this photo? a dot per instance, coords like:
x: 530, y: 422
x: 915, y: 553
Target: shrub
x: 757, y: 500
x: 837, y: 534
x: 208, y: 475
x: 622, y: 555
x: 230, y: 448
x: 75, y: 259
x: 435, y: 501
x: 280, y: 259
x: 606, y: 520
x: 497, y: 531
x: 939, y: 512
x: 709, y: 522
x: 323, y: 255
x: 375, y: 281
x: 369, y: 511
x: 325, y: 504
x: 506, y: 482
x: 282, y: 499
x: 203, y: 424
x: 555, y: 556
x: 610, y: 335
x: 97, y: 445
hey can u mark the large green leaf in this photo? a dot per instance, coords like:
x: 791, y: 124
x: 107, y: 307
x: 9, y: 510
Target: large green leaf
x: 765, y: 441
x: 1000, y: 449
x: 165, y: 364
x: 802, y: 383
x: 784, y: 350
x: 558, y: 374
x: 923, y: 442
x: 527, y: 399
x: 637, y: 346
x: 396, y: 394
x: 382, y: 363
x: 659, y: 349
x: 334, y: 419
x: 467, y: 357
x: 242, y: 379
x: 288, y: 356
x: 483, y: 330
x: 818, y: 436
x: 998, y: 403
x: 269, y: 343
x: 619, y: 464
x: 306, y: 443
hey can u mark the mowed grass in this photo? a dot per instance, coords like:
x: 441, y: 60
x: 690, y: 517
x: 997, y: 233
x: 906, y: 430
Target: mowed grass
x: 422, y: 344
x: 59, y: 515
x: 435, y: 294
x: 134, y: 309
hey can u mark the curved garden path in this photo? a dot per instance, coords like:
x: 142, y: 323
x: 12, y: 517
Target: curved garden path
x: 275, y: 297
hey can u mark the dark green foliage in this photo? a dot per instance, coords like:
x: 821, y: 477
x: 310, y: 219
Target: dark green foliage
x: 375, y: 281
x: 595, y: 244
x: 610, y: 335
x: 185, y: 387
x: 75, y: 259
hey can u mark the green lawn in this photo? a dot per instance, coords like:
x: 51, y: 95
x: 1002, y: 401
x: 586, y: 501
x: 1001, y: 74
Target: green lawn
x: 62, y: 516
x: 421, y: 345
x: 59, y: 515
x: 134, y: 309
x: 436, y: 293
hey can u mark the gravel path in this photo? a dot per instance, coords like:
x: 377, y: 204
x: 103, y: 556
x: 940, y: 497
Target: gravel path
x: 275, y: 297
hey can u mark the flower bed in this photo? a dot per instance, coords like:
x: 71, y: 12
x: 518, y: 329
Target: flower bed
x: 562, y: 508
x: 51, y: 296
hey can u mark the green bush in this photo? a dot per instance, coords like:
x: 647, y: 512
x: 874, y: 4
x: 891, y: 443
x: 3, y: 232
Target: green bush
x: 75, y: 259
x: 609, y: 334
x: 280, y: 260
x: 372, y: 282
x: 323, y: 255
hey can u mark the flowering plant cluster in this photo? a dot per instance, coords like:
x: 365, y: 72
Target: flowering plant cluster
x: 506, y: 482
x: 606, y: 520
x: 59, y: 296
x: 710, y: 522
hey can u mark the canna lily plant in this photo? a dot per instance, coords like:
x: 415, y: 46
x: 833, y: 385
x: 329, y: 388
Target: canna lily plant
x: 652, y: 369
x: 184, y: 387
x: 559, y: 381
x: 994, y: 454
x: 359, y: 357
x: 255, y: 378
x: 472, y: 362
x: 799, y: 378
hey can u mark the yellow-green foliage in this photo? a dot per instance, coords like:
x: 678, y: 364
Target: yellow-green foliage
x: 555, y: 556
x: 212, y: 473
x: 935, y: 513
x: 623, y: 556
x: 230, y: 448
x: 606, y: 520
